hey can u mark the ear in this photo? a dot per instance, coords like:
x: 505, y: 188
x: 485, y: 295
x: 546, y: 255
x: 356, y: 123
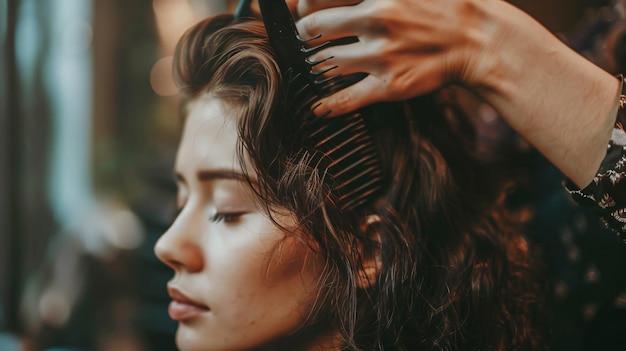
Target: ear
x: 371, y: 253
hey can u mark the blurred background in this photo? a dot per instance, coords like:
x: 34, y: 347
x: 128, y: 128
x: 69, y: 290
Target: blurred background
x: 89, y: 123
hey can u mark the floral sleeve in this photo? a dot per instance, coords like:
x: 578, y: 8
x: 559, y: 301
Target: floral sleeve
x: 606, y: 194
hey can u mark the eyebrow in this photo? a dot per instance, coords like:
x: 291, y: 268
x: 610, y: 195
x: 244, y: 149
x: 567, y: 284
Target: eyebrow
x: 206, y: 175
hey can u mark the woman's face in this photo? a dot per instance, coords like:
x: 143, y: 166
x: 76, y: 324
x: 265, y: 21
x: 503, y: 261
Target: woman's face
x: 240, y: 282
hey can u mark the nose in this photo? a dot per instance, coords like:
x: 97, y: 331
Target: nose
x: 180, y: 246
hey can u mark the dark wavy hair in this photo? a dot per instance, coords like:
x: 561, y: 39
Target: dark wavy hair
x: 454, y: 273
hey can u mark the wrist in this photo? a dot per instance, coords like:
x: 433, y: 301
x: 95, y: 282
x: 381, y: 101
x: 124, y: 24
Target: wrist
x: 490, y: 49
x: 560, y: 102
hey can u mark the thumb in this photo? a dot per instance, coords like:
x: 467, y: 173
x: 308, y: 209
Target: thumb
x: 352, y: 98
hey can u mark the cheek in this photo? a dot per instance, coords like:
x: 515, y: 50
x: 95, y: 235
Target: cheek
x: 293, y: 260
x: 263, y: 272
x: 282, y: 288
x: 260, y: 286
x: 279, y: 272
x: 292, y: 277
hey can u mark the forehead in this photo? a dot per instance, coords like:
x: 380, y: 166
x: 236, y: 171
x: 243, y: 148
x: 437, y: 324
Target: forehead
x: 209, y: 137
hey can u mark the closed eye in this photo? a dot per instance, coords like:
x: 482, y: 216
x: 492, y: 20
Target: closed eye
x: 226, y: 217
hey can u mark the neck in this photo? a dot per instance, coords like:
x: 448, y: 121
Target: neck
x: 312, y: 338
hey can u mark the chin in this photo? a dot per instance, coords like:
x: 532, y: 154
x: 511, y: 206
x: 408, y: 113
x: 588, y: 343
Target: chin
x: 190, y: 339
x: 196, y: 338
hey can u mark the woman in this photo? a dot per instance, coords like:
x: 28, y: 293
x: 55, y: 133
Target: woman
x: 265, y: 259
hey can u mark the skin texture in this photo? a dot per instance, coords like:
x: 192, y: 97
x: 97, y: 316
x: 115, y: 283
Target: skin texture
x: 256, y: 281
x: 561, y: 103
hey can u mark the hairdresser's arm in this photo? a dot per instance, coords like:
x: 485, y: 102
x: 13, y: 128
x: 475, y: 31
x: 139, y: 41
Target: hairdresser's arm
x: 561, y: 103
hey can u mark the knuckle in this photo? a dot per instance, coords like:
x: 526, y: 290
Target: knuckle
x: 377, y: 17
x: 400, y: 84
x: 311, y: 25
x: 343, y: 102
x: 302, y: 9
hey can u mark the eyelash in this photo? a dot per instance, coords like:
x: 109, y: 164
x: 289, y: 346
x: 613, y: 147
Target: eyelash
x: 218, y: 217
x: 225, y: 217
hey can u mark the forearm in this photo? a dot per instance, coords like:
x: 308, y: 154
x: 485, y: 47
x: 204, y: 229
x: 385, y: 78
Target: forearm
x: 560, y: 102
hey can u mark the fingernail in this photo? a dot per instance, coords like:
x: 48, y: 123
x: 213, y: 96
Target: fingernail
x: 317, y: 108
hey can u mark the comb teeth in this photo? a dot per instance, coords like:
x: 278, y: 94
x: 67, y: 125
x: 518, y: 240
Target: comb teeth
x: 351, y: 158
x: 347, y: 149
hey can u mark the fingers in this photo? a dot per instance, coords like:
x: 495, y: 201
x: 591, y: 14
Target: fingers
x: 361, y: 94
x: 307, y: 7
x: 331, y: 23
x: 342, y: 59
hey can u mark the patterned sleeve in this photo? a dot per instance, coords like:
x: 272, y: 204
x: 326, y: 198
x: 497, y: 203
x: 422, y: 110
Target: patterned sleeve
x: 606, y: 194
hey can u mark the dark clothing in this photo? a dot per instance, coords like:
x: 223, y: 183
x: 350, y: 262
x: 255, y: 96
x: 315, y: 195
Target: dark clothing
x: 606, y: 194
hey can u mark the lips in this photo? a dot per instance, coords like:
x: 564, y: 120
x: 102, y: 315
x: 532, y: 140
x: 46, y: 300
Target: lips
x: 182, y: 307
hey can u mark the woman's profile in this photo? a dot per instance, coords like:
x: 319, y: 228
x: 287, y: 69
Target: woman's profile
x: 265, y: 259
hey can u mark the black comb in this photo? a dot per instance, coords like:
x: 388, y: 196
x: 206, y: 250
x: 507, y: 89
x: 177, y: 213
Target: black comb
x: 349, y: 155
